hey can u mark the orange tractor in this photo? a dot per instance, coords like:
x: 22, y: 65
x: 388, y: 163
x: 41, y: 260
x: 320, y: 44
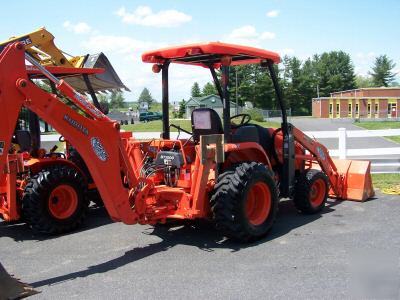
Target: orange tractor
x: 231, y: 172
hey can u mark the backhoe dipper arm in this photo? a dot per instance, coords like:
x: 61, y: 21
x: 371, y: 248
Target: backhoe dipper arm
x: 321, y: 154
x: 95, y: 136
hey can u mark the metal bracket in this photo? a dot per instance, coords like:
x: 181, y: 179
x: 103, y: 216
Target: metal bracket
x: 213, y: 139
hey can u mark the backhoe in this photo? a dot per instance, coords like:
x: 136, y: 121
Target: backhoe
x: 65, y: 207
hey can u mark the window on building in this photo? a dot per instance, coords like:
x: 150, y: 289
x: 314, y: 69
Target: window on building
x: 330, y: 108
x: 349, y: 110
x: 369, y: 108
x: 376, y: 109
x: 357, y: 108
x: 392, y: 110
x: 337, y: 109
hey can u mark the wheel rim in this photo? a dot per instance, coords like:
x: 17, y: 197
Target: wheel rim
x: 258, y: 204
x: 317, y: 192
x: 63, y: 201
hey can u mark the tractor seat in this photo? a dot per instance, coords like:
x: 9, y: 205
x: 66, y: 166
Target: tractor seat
x: 254, y: 133
x: 205, y: 121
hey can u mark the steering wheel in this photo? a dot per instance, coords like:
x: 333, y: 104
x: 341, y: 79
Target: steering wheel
x: 245, y: 119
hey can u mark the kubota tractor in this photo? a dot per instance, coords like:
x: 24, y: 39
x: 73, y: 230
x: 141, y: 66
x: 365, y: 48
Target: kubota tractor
x: 231, y: 174
x: 64, y: 208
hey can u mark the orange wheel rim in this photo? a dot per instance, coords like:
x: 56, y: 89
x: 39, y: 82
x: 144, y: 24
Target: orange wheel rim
x: 63, y: 201
x: 317, y: 192
x: 258, y: 204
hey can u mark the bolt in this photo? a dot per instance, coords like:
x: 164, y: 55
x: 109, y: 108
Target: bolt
x: 22, y: 83
x: 19, y: 46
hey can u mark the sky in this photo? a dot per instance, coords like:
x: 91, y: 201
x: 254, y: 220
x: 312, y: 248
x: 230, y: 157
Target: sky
x: 123, y: 30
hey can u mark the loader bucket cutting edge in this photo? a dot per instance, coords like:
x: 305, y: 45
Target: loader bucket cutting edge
x: 357, y: 181
x: 11, y: 288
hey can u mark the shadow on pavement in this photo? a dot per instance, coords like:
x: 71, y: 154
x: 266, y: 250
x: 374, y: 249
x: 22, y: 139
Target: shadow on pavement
x: 19, y: 231
x: 197, y: 234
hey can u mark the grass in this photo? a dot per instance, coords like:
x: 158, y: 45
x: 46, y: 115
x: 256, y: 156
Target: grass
x: 379, y: 125
x: 382, y: 125
x: 156, y: 126
x: 387, y: 182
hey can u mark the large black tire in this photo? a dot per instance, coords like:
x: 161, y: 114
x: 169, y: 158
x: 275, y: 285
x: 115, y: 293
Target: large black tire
x: 92, y: 194
x: 45, y: 202
x: 235, y: 191
x: 311, y: 191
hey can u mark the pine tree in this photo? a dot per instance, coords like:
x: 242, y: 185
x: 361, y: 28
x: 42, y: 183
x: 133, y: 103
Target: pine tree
x: 196, y: 90
x: 182, y: 108
x: 145, y: 96
x: 382, y: 74
x: 209, y: 89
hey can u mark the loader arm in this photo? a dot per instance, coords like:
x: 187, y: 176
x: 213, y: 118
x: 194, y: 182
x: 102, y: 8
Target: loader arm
x: 349, y: 179
x: 321, y: 154
x: 93, y: 134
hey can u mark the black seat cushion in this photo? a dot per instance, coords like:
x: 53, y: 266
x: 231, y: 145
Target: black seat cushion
x: 205, y: 121
x: 254, y: 133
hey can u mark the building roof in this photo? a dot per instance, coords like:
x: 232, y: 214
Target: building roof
x: 212, y: 53
x: 211, y: 101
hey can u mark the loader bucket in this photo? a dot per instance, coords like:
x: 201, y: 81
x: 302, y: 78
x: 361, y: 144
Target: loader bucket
x: 102, y: 82
x: 357, y: 182
x: 11, y: 288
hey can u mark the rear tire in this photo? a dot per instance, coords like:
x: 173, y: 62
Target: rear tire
x: 311, y: 191
x: 245, y: 202
x: 54, y: 200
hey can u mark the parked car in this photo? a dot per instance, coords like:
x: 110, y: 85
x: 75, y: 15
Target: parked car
x: 149, y: 116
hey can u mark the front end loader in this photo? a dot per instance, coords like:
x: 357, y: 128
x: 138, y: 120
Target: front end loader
x: 231, y: 172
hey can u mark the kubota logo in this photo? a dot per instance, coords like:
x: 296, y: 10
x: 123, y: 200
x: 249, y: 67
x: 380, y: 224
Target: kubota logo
x: 98, y: 148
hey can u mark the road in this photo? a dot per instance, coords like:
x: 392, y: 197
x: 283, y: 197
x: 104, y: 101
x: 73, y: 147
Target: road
x: 311, y: 257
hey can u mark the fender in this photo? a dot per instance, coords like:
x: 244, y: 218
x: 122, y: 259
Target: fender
x: 248, y: 151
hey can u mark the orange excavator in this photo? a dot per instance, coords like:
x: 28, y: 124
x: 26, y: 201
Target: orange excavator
x: 232, y: 172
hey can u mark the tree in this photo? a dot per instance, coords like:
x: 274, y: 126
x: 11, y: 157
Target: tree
x: 145, y: 96
x: 364, y: 81
x: 382, y: 74
x: 104, y: 105
x: 209, y: 89
x: 196, y: 90
x: 182, y: 108
x: 116, y: 99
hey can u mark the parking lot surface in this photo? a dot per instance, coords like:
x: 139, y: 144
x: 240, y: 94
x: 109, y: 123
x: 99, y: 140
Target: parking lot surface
x: 304, y: 256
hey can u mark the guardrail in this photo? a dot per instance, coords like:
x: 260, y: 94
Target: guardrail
x: 342, y: 134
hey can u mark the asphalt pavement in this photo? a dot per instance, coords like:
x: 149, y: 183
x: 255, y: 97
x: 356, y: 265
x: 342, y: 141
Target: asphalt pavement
x: 350, y: 250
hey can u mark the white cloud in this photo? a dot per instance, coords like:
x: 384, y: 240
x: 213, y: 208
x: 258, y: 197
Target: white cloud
x: 248, y: 35
x: 143, y: 15
x: 273, y: 13
x: 116, y: 44
x: 78, y: 28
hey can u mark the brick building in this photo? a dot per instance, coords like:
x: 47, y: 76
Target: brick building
x: 379, y: 103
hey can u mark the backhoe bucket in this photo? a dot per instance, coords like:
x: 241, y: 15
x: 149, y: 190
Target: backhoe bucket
x: 357, y: 182
x: 102, y: 82
x: 11, y: 288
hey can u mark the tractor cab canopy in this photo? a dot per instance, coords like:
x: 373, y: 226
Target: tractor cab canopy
x: 210, y: 54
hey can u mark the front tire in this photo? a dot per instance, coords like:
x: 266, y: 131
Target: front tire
x: 54, y: 200
x: 245, y: 202
x: 311, y: 191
